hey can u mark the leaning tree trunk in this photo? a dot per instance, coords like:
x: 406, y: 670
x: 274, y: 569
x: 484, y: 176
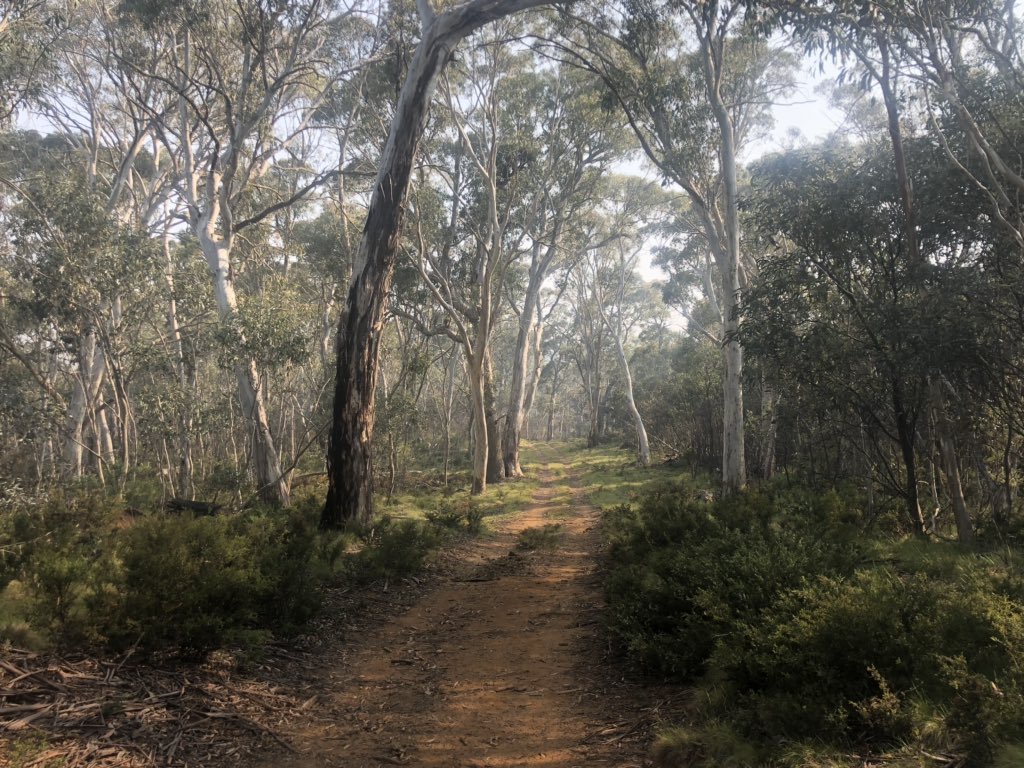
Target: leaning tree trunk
x: 349, y: 462
x: 643, y: 447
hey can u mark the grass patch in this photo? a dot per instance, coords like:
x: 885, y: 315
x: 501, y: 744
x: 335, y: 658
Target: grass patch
x: 608, y: 476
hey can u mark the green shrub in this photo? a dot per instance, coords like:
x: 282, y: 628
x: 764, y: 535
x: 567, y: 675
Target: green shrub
x: 59, y: 554
x: 849, y: 660
x: 810, y: 638
x: 684, y: 572
x: 395, y: 548
x: 192, y: 585
x: 189, y: 585
x: 455, y: 515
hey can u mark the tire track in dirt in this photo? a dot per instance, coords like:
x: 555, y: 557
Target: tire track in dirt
x: 500, y: 665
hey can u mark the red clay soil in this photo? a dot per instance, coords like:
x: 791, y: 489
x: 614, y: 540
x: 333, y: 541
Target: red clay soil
x: 501, y: 664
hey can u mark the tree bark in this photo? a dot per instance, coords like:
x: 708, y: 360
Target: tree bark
x: 517, y: 395
x: 906, y: 432
x: 769, y: 428
x: 475, y: 373
x: 272, y: 486
x: 643, y: 447
x: 91, y: 369
x: 495, y: 469
x: 185, y: 487
x: 734, y: 471
x: 349, y: 460
x: 951, y: 468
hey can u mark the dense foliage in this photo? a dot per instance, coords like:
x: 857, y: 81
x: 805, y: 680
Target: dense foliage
x: 806, y: 630
x: 78, y: 571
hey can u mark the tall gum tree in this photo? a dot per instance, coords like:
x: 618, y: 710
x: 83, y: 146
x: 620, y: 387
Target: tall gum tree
x: 695, y: 85
x: 611, y: 271
x: 481, y: 232
x: 349, y: 459
x: 578, y: 148
x: 877, y: 41
x: 245, y: 80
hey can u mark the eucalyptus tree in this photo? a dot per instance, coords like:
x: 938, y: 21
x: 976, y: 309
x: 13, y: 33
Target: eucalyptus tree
x: 109, y: 115
x: 575, y: 149
x: 245, y: 82
x: 897, y: 48
x: 969, y: 60
x: 696, y: 83
x: 611, y: 271
x: 71, y: 256
x: 841, y: 310
x: 589, y: 341
x: 28, y: 31
x: 349, y: 458
x: 481, y: 218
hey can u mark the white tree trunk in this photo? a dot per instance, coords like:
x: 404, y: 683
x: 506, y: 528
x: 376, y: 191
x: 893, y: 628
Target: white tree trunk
x: 266, y: 465
x: 951, y: 467
x: 185, y: 473
x: 643, y: 448
x: 734, y: 471
x: 91, y: 368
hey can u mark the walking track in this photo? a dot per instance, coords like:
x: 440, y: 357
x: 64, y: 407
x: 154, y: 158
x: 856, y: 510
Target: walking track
x: 501, y: 663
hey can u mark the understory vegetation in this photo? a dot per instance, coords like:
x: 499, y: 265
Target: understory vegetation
x: 78, y: 570
x: 814, y: 636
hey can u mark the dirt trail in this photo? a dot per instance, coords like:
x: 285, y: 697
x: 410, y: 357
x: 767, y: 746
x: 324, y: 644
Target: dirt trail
x: 500, y: 664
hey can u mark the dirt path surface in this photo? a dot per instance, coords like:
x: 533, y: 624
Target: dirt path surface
x: 502, y: 662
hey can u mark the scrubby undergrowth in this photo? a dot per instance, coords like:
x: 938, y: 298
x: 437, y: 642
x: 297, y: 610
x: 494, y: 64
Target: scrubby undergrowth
x: 78, y: 571
x: 809, y: 637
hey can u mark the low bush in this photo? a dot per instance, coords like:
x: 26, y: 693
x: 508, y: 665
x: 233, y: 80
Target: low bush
x: 77, y: 570
x: 463, y: 514
x: 684, y: 571
x: 801, y: 628
x: 192, y: 585
x: 395, y: 548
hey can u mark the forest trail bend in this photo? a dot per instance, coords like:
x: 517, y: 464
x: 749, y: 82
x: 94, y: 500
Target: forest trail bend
x: 501, y: 664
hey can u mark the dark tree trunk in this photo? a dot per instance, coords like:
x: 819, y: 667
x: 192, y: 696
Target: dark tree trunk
x: 349, y: 460
x: 906, y: 432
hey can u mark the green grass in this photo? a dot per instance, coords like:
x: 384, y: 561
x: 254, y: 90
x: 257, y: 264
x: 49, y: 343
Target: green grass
x: 499, y: 501
x: 608, y: 476
x: 573, y: 474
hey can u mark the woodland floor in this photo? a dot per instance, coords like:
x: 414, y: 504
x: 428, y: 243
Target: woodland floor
x: 498, y: 658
